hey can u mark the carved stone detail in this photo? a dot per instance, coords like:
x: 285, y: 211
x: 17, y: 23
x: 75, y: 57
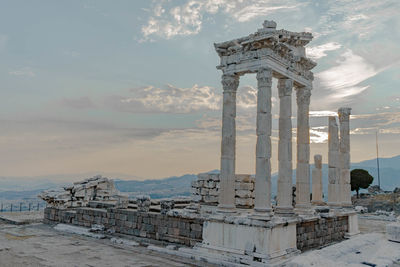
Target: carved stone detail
x: 264, y: 77
x: 303, y: 96
x: 285, y: 87
x: 230, y: 82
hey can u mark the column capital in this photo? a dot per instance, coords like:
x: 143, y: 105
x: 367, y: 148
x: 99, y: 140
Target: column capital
x: 264, y: 76
x: 344, y: 114
x: 230, y: 82
x: 285, y: 87
x: 303, y: 95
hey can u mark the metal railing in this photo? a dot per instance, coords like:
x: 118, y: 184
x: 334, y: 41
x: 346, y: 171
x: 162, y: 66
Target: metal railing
x: 21, y: 206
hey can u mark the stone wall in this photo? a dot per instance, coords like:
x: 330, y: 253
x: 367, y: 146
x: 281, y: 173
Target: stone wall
x: 318, y: 232
x: 206, y: 190
x: 311, y: 233
x: 152, y: 225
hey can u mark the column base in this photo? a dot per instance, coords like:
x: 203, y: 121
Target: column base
x: 223, y: 208
x: 304, y: 209
x: 260, y: 216
x: 318, y: 203
x: 284, y: 211
x: 334, y: 205
x: 263, y: 214
x: 347, y: 205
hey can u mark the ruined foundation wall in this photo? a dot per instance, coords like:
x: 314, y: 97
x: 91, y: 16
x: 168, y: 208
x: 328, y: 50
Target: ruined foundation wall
x: 152, y: 225
x: 320, y: 232
x: 311, y: 233
x: 206, y: 190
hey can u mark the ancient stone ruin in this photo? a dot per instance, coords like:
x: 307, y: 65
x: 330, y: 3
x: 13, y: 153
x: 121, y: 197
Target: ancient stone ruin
x: 79, y: 194
x: 231, y: 218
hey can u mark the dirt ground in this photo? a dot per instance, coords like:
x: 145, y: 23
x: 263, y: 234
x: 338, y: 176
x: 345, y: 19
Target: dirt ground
x: 41, y: 245
x: 367, y: 225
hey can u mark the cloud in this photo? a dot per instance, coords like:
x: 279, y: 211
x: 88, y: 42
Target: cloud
x: 187, y: 19
x: 78, y: 103
x: 384, y: 123
x: 341, y: 83
x: 60, y: 134
x: 246, y: 97
x: 257, y: 9
x: 322, y: 113
x: 168, y: 99
x: 317, y: 52
x: 319, y: 135
x: 172, y: 99
x: 344, y: 79
x: 379, y: 119
x: 180, y: 20
x: 26, y: 71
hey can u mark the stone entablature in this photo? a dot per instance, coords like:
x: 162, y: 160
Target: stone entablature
x: 281, y: 50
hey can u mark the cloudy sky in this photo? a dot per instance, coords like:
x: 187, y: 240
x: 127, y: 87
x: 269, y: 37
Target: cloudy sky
x: 131, y: 88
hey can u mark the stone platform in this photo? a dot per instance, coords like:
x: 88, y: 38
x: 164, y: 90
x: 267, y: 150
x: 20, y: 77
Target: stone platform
x: 238, y: 237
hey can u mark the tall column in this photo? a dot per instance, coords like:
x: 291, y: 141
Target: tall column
x: 333, y: 163
x: 263, y: 146
x: 303, y: 150
x: 285, y: 184
x: 230, y: 84
x: 344, y: 149
x: 317, y: 181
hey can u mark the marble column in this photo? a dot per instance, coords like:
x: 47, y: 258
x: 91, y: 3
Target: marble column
x: 333, y: 163
x: 285, y: 184
x: 344, y: 149
x: 230, y: 84
x: 317, y: 181
x: 303, y: 150
x: 263, y: 147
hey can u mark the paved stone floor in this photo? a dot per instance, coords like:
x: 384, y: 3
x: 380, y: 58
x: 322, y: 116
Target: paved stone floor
x: 41, y: 245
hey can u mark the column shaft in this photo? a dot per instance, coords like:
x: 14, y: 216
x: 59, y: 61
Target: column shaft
x: 303, y: 149
x: 344, y: 149
x: 333, y: 163
x: 317, y: 181
x: 284, y: 194
x: 263, y: 146
x: 227, y: 178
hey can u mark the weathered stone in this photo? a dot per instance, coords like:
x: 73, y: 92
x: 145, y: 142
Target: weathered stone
x: 317, y: 181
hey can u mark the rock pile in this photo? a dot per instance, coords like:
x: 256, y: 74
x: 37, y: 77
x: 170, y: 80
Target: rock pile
x: 206, y: 189
x: 79, y: 194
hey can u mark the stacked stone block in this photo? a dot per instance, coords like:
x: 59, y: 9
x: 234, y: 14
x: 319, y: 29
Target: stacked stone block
x: 79, y: 194
x: 167, y: 205
x: 311, y: 233
x: 316, y: 233
x: 206, y: 190
x: 143, y: 203
x: 151, y: 225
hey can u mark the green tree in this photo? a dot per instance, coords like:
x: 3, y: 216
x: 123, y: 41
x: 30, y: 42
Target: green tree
x: 360, y: 179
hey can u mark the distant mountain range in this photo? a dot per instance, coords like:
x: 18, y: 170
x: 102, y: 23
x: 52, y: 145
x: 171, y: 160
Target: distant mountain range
x: 12, y: 189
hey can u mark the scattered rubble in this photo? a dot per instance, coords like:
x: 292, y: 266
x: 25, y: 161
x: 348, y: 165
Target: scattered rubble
x: 361, y: 209
x: 80, y: 193
x: 375, y: 189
